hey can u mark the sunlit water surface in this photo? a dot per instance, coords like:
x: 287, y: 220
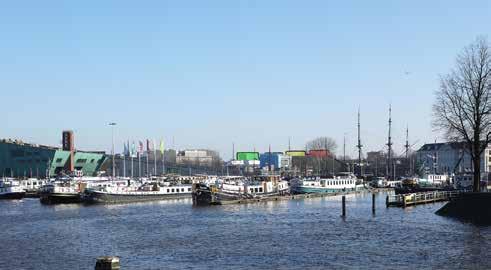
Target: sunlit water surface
x: 295, y: 234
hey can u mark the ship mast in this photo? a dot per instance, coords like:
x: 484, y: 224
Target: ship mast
x: 389, y: 145
x: 407, y: 149
x: 359, y: 146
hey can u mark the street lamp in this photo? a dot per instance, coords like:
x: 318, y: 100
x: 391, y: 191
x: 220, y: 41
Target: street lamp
x: 112, y: 151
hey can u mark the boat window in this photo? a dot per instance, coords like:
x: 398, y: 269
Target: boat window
x: 189, y: 189
x: 182, y: 190
x: 172, y: 190
x: 260, y: 189
x: 252, y: 190
x: 255, y: 190
x: 167, y: 190
x: 177, y: 190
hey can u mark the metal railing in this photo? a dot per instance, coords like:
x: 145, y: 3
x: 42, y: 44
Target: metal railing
x: 421, y: 198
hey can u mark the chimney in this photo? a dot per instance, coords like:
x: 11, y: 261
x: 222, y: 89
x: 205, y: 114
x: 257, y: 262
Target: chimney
x: 69, y: 146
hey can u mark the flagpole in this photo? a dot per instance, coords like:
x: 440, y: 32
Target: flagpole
x: 139, y: 166
x: 124, y: 165
x: 125, y: 151
x: 163, y: 162
x: 155, y: 158
x: 131, y: 165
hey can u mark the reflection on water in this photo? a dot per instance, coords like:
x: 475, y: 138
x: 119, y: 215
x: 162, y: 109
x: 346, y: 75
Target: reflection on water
x: 284, y: 234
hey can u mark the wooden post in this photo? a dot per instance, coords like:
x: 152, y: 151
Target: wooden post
x: 373, y: 203
x: 344, y: 205
x: 107, y: 263
x: 387, y: 201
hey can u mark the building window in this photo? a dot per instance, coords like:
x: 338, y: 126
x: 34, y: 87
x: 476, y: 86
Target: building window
x: 81, y: 160
x: 92, y: 160
x: 58, y: 160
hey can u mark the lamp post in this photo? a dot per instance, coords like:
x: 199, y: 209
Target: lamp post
x: 112, y: 151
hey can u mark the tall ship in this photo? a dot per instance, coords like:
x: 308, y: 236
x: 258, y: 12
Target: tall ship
x: 11, y: 189
x: 115, y: 193
x: 231, y: 189
x: 342, y: 182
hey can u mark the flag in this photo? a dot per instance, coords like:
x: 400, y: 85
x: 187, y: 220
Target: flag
x: 125, y: 150
x: 162, y: 146
x: 148, y: 146
x: 140, y: 148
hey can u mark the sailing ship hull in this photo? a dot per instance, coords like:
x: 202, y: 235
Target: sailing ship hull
x: 60, y: 198
x: 12, y: 195
x: 106, y: 197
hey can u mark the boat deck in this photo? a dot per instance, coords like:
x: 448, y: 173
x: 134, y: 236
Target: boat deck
x: 288, y: 197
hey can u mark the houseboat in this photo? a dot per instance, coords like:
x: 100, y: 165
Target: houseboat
x: 230, y: 189
x: 343, y: 182
x: 117, y: 193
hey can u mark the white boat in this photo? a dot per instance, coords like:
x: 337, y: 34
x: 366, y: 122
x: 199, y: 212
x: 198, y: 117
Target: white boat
x: 115, y: 193
x: 229, y: 189
x: 32, y: 186
x: 342, y: 182
x: 10, y: 189
x: 69, y: 190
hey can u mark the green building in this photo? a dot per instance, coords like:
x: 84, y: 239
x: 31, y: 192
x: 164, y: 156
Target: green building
x: 18, y: 159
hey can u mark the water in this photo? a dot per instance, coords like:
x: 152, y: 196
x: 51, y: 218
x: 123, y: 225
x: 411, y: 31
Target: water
x: 297, y: 234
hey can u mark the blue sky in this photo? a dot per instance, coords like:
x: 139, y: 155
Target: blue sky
x: 209, y: 73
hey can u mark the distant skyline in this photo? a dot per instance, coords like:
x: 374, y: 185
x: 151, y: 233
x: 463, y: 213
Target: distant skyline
x: 213, y: 73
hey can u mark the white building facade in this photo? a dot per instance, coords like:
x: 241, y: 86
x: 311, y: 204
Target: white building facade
x: 449, y: 158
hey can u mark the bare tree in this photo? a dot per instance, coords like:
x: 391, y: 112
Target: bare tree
x: 463, y: 103
x: 321, y: 143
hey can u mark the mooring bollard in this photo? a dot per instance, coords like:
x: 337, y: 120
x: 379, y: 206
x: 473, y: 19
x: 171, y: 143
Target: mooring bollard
x: 373, y: 203
x: 344, y: 206
x: 107, y: 263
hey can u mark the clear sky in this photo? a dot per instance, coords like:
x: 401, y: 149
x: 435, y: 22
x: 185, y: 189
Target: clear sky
x: 209, y: 73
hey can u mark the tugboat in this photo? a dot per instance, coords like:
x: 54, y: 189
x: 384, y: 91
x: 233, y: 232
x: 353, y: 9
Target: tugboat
x: 10, y: 189
x: 231, y: 189
x: 117, y: 193
x: 343, y: 182
x: 60, y: 191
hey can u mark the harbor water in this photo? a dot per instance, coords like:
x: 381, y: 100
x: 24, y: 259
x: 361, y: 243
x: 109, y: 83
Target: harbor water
x: 290, y: 234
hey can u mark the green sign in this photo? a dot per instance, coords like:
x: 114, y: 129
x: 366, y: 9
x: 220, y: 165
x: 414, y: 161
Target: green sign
x: 247, y: 156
